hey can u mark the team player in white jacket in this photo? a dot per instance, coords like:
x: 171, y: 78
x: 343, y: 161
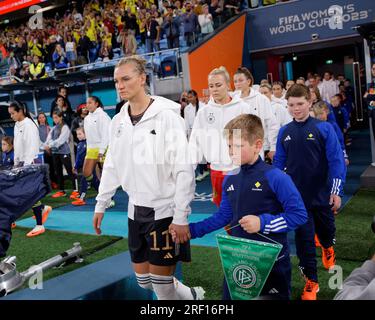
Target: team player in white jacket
x: 260, y: 106
x: 96, y: 126
x: 281, y: 113
x: 328, y: 87
x: 148, y: 157
x: 26, y: 149
x: 207, y: 137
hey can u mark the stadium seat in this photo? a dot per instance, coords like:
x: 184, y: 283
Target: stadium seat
x: 168, y: 67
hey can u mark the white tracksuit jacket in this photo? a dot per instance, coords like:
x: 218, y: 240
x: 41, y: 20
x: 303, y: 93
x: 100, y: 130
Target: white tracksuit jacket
x: 281, y: 101
x: 207, y: 137
x: 282, y: 114
x: 189, y: 117
x: 26, y: 141
x: 260, y: 106
x: 150, y: 161
x: 328, y: 89
x: 96, y: 126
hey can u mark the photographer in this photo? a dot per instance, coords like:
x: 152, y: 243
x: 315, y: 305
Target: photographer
x: 360, y: 285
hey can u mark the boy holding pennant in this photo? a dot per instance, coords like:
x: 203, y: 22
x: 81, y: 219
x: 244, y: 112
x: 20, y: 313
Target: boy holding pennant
x: 259, y: 201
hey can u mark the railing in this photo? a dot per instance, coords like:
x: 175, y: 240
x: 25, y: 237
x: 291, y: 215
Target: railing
x: 152, y: 59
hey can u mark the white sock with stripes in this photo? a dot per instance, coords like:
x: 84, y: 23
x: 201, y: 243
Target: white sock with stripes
x: 144, y: 280
x: 164, y: 287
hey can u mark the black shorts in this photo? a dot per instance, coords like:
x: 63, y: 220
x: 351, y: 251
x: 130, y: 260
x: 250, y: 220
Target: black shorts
x: 150, y: 241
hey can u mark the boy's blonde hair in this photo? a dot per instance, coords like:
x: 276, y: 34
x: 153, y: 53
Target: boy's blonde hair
x: 221, y: 71
x: 248, y: 125
x: 319, y: 108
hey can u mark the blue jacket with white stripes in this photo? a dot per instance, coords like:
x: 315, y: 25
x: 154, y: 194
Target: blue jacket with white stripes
x: 261, y: 190
x: 311, y: 154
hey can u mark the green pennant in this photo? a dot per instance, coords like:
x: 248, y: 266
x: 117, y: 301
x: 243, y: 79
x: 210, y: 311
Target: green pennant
x: 246, y: 264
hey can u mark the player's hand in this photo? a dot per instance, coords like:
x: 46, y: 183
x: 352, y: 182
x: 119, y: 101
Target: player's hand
x: 250, y: 223
x: 173, y: 234
x: 97, y: 222
x: 100, y: 157
x: 181, y: 232
x: 347, y: 162
x: 335, y: 200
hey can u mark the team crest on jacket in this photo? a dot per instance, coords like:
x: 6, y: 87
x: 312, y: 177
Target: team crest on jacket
x: 310, y: 137
x: 211, y: 118
x: 257, y: 186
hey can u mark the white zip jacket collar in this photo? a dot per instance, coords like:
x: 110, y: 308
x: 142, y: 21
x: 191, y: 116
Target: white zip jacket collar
x: 150, y: 161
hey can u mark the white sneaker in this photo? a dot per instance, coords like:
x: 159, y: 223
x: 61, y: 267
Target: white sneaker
x: 373, y: 164
x: 198, y: 293
x: 36, y: 231
x: 199, y: 177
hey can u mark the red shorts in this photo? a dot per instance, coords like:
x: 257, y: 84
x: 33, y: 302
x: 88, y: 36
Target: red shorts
x: 217, y: 178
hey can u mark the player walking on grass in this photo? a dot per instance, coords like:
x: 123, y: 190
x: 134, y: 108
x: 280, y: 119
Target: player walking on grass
x: 96, y: 125
x: 148, y: 157
x: 26, y: 149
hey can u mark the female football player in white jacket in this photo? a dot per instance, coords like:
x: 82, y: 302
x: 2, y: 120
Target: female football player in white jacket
x: 96, y: 126
x: 259, y: 106
x: 207, y: 138
x: 148, y: 157
x: 26, y: 149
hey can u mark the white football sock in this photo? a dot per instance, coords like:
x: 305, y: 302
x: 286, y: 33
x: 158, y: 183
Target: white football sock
x: 144, y: 280
x: 164, y: 287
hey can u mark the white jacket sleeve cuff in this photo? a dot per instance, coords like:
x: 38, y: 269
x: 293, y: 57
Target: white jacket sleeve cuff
x: 180, y: 217
x: 100, y: 206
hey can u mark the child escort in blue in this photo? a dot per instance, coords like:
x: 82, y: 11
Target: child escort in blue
x: 308, y: 150
x: 259, y: 197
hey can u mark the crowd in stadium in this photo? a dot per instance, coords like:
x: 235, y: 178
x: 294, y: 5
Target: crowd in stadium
x: 89, y: 31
